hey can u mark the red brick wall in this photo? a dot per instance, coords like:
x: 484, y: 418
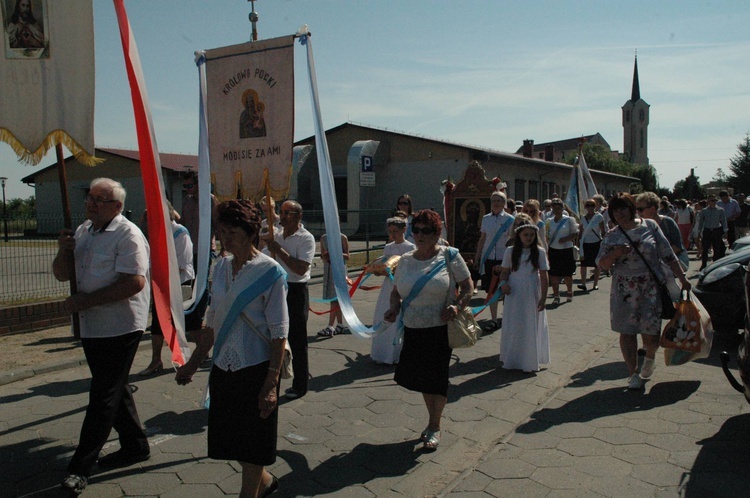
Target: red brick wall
x: 29, y: 317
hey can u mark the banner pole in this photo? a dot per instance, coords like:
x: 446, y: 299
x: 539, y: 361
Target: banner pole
x: 269, y: 209
x: 68, y: 223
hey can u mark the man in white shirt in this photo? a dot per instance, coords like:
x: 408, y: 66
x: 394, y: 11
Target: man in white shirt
x: 111, y: 258
x: 294, y: 249
x: 732, y: 209
x: 496, y: 226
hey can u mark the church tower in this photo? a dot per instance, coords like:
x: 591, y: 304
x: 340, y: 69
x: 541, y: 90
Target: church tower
x: 635, y: 123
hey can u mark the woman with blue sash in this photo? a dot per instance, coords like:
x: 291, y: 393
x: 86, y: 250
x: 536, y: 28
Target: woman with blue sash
x: 247, y: 324
x: 424, y: 300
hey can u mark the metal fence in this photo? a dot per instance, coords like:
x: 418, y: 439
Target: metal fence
x: 26, y: 257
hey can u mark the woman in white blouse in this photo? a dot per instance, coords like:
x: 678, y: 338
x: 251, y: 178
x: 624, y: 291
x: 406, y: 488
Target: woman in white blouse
x: 247, y: 324
x: 562, y: 230
x: 424, y: 292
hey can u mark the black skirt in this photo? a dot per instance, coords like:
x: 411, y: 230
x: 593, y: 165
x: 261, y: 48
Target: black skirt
x: 562, y: 262
x: 590, y: 252
x: 424, y: 361
x: 235, y: 429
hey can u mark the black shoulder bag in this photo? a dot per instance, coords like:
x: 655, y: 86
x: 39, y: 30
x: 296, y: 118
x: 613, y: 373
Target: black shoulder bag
x: 667, y: 306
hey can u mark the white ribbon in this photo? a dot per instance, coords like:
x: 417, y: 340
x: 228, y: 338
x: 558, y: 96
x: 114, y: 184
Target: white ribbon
x: 330, y: 207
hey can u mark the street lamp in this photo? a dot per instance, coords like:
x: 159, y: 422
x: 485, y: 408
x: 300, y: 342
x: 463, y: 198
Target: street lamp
x: 5, y: 217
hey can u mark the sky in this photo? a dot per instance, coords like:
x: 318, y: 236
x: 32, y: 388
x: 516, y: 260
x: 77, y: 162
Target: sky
x: 486, y: 73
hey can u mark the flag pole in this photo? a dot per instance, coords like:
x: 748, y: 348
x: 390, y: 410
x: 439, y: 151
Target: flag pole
x: 253, y: 20
x: 269, y: 209
x: 266, y: 174
x: 68, y: 223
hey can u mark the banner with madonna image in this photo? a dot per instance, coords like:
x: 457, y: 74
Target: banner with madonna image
x: 250, y: 112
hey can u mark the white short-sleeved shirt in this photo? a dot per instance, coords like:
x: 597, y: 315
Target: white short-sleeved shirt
x: 300, y: 245
x: 683, y: 215
x: 591, y: 236
x: 268, y: 314
x: 489, y: 223
x: 567, y: 225
x: 100, y: 257
x: 424, y: 311
x: 183, y: 247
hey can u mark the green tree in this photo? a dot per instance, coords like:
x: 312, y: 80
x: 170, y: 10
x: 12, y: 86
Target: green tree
x: 600, y: 158
x: 739, y: 167
x: 21, y: 208
x: 720, y: 178
x: 689, y: 188
x: 647, y: 175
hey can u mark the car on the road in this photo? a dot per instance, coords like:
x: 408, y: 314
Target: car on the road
x: 740, y: 243
x: 721, y: 290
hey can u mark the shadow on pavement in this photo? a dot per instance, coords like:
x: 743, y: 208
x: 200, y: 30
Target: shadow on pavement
x: 722, y: 467
x: 66, y: 344
x: 179, y: 424
x: 605, y: 372
x: 52, y: 389
x: 358, y: 466
x: 33, y: 467
x: 493, y: 377
x: 607, y: 402
x: 356, y: 366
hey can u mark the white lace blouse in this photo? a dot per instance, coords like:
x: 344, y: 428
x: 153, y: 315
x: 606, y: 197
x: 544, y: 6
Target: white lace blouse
x: 267, y: 316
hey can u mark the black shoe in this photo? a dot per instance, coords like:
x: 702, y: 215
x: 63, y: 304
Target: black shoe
x: 272, y: 488
x: 583, y: 288
x: 292, y: 394
x: 122, y: 458
x: 75, y: 484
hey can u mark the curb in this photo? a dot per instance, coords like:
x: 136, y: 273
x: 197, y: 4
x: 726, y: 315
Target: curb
x: 27, y: 373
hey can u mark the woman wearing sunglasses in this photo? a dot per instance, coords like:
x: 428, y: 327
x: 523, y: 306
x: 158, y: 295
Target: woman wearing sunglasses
x: 404, y: 205
x: 424, y: 295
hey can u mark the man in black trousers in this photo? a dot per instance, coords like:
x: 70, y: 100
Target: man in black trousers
x: 111, y: 258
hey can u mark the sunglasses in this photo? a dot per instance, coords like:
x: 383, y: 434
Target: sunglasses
x: 641, y: 209
x: 188, y: 185
x: 285, y: 213
x: 425, y: 231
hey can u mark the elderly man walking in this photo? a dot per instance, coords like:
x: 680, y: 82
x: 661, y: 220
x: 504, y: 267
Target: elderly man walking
x: 294, y: 249
x: 111, y: 258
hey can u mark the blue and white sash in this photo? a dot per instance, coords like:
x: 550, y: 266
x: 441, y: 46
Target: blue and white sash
x: 560, y: 224
x: 245, y: 290
x: 498, y: 233
x: 418, y: 286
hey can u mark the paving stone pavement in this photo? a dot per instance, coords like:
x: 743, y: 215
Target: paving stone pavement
x: 569, y: 430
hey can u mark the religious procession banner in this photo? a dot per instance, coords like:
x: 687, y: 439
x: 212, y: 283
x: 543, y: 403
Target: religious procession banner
x: 47, y: 78
x: 250, y: 109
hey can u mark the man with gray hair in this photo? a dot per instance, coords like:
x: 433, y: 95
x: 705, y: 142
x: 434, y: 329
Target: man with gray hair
x: 294, y: 249
x: 111, y: 258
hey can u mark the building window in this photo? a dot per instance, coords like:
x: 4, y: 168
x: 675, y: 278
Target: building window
x: 548, y: 189
x: 520, y: 190
x: 533, y: 190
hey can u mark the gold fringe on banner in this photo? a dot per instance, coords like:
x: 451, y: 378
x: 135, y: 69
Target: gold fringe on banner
x: 55, y: 137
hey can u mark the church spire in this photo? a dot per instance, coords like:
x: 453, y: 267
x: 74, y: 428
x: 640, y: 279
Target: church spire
x: 635, y: 95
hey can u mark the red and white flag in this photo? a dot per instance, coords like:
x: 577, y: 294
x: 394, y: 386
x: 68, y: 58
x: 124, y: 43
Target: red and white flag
x: 165, y: 276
